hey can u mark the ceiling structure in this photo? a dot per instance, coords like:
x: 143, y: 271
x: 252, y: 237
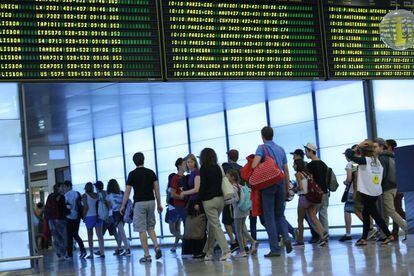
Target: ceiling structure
x: 62, y: 113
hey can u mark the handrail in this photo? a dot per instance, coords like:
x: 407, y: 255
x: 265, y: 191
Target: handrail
x: 26, y: 258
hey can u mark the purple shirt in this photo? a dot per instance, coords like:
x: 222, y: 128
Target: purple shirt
x: 190, y: 183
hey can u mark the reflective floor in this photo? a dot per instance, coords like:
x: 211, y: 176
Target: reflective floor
x: 335, y: 259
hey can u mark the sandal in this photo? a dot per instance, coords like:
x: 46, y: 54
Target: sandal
x: 361, y: 242
x: 389, y: 239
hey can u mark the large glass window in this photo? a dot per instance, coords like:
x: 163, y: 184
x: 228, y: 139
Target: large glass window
x: 139, y: 141
x: 82, y: 164
x: 341, y: 123
x: 244, y: 126
x: 394, y: 110
x: 293, y: 122
x: 109, y: 159
x: 14, y: 226
x: 209, y: 131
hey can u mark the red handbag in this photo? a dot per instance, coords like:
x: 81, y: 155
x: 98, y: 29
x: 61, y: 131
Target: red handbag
x: 247, y: 170
x: 266, y: 174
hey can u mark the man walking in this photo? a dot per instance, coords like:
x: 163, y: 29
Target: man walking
x: 319, y: 170
x: 145, y: 185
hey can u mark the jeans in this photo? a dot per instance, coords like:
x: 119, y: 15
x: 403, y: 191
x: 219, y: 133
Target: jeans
x: 73, y: 233
x: 253, y: 228
x: 370, y: 210
x: 323, y: 213
x: 58, y: 230
x: 213, y: 208
x: 273, y: 205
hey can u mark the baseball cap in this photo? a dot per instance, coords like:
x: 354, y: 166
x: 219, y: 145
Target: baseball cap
x: 233, y: 155
x: 311, y: 146
x: 298, y: 152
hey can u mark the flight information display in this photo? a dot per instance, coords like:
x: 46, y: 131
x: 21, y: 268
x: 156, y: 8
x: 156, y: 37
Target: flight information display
x: 220, y: 39
x: 79, y: 39
x: 354, y: 46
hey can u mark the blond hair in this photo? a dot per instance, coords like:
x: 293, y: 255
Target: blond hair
x: 192, y: 157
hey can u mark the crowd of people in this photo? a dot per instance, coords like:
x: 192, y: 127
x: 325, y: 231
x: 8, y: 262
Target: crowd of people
x: 198, y: 194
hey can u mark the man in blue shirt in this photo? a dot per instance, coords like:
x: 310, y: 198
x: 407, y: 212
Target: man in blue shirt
x: 273, y: 197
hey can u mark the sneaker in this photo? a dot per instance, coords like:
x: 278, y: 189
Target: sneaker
x: 288, y: 245
x: 271, y: 255
x: 234, y: 247
x: 322, y: 243
x: 90, y: 257
x: 117, y: 252
x: 145, y: 259
x: 208, y: 258
x: 225, y: 257
x: 299, y: 243
x: 296, y: 234
x: 82, y: 255
x: 371, y: 234
x: 158, y: 253
x: 345, y: 238
x: 253, y: 248
x: 314, y: 240
x: 326, y: 237
x: 241, y: 255
x: 126, y: 252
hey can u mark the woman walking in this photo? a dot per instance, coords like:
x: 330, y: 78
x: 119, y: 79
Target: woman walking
x: 369, y: 186
x: 114, y: 199
x: 211, y: 195
x: 90, y: 217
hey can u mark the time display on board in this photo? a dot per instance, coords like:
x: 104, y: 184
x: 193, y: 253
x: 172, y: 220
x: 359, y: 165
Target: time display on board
x: 79, y: 39
x: 208, y: 39
x: 354, y: 45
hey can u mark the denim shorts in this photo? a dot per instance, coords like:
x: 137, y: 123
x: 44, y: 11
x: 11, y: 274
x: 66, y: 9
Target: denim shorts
x: 349, y: 204
x: 93, y: 221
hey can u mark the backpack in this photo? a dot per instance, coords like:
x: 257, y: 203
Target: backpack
x: 129, y: 212
x: 391, y: 175
x: 79, y: 206
x: 315, y: 192
x: 103, y: 211
x: 245, y: 203
x: 331, y: 181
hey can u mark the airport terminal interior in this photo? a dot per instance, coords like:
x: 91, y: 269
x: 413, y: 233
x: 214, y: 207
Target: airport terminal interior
x: 85, y: 85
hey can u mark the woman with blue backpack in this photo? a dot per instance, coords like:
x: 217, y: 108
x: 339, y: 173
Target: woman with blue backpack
x: 241, y: 210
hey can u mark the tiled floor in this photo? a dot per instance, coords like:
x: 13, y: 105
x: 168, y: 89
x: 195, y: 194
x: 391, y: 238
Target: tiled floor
x: 335, y: 259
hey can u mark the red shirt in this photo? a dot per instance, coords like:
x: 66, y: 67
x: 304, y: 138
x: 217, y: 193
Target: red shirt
x: 175, y: 185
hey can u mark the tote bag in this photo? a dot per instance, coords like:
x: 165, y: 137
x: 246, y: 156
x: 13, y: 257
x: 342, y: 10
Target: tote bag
x: 227, y: 189
x: 195, y: 227
x: 266, y: 174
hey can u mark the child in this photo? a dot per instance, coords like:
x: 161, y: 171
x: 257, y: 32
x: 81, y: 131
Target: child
x: 239, y: 216
x: 305, y: 206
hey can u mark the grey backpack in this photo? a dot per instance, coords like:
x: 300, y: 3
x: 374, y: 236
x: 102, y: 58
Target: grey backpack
x: 331, y: 181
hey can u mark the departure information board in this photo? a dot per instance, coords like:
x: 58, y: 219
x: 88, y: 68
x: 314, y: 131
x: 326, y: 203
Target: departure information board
x: 354, y: 46
x: 220, y: 39
x: 79, y: 39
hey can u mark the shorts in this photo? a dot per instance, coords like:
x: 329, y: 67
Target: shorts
x: 93, y: 221
x: 172, y: 216
x: 227, y: 216
x: 144, y: 216
x: 349, y: 204
x: 304, y: 202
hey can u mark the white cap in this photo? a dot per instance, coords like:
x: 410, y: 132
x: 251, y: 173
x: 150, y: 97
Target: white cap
x: 311, y: 146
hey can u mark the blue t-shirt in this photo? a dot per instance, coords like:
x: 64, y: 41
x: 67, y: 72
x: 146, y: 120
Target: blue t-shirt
x: 275, y: 151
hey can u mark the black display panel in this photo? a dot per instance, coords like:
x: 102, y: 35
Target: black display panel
x: 353, y: 41
x: 79, y: 40
x: 242, y: 39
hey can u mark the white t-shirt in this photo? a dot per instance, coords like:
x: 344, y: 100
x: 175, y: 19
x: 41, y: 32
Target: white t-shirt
x: 353, y: 167
x: 370, y: 177
x: 71, y: 197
